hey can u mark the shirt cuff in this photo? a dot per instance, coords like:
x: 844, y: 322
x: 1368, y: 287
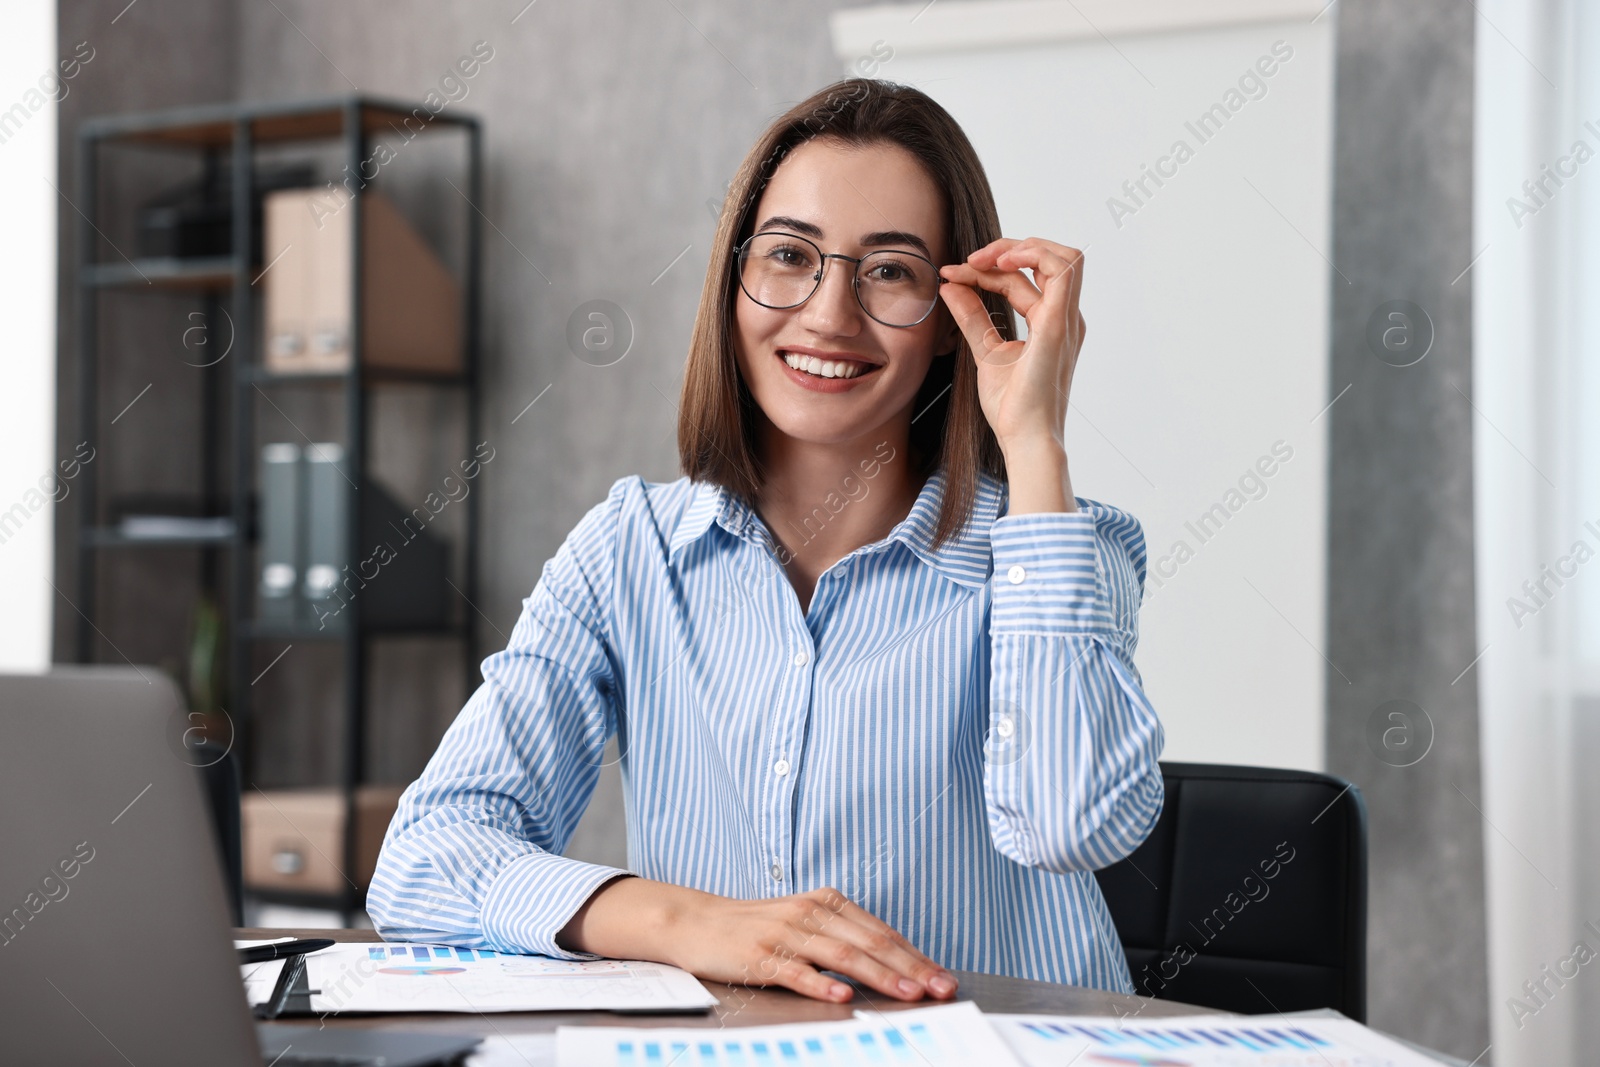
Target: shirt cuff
x: 534, y: 898
x: 1047, y: 573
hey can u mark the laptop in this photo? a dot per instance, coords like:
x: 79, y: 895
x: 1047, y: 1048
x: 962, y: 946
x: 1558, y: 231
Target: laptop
x: 115, y: 944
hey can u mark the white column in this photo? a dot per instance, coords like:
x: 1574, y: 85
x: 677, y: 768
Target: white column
x: 1536, y: 464
x: 28, y: 205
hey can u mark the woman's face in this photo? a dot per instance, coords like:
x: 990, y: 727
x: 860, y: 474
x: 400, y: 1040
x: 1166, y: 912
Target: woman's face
x: 850, y: 200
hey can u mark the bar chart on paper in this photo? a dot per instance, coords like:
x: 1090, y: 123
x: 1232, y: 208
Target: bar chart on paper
x: 1200, y: 1041
x: 923, y: 1037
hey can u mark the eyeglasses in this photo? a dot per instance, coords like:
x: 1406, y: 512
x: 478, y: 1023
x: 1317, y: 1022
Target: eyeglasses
x: 782, y: 270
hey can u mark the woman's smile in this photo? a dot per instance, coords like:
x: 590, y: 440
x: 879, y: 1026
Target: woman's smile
x: 822, y: 371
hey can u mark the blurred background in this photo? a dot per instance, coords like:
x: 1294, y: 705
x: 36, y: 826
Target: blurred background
x: 1341, y: 368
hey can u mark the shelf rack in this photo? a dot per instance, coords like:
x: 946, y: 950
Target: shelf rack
x: 229, y: 135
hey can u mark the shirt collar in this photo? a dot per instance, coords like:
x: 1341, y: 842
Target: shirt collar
x: 965, y: 559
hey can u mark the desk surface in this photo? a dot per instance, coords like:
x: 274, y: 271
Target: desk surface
x: 751, y: 1007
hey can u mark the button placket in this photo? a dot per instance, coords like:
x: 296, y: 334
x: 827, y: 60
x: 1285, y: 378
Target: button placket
x: 778, y: 785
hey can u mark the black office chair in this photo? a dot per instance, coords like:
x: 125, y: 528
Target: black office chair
x: 1250, y: 895
x: 220, y: 777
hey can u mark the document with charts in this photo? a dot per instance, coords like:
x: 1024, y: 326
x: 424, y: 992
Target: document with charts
x: 947, y: 1034
x: 406, y: 977
x: 1200, y: 1041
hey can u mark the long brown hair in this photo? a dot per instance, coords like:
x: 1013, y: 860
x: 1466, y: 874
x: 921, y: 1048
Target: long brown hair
x: 716, y: 418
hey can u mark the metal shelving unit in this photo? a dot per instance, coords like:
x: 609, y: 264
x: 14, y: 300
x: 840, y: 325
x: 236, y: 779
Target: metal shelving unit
x: 230, y: 136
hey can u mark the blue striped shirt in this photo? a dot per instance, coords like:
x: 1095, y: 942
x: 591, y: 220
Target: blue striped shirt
x: 954, y: 739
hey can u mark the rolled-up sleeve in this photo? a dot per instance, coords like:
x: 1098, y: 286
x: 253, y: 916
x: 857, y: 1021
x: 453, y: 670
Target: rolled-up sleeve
x: 1071, y: 778
x: 472, y: 856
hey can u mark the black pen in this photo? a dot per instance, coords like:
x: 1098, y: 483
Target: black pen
x: 293, y: 971
x: 283, y: 950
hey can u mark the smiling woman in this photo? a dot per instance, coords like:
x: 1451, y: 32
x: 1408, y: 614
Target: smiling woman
x: 927, y: 697
x: 844, y: 153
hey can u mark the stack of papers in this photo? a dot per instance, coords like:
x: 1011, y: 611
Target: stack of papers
x: 407, y: 977
x: 961, y: 1034
x: 936, y: 1035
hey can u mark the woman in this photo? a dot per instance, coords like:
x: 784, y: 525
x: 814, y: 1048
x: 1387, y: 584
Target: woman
x: 869, y: 662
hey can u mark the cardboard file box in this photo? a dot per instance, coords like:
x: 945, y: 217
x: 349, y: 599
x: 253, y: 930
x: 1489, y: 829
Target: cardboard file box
x: 294, y: 838
x: 411, y: 304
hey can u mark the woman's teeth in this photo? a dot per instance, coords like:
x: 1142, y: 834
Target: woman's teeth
x: 823, y: 368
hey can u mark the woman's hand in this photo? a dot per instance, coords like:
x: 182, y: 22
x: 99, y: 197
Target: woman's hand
x: 782, y: 941
x: 1023, y: 386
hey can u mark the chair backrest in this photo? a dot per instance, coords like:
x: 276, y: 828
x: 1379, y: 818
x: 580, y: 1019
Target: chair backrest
x: 219, y: 772
x: 1250, y: 894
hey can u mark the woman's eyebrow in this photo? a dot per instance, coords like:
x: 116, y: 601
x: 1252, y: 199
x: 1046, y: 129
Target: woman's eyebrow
x: 877, y: 238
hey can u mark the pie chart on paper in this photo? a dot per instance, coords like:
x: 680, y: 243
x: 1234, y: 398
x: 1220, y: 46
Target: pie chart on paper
x: 422, y: 970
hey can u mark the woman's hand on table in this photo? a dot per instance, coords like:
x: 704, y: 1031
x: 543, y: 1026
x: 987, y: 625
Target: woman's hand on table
x: 779, y: 941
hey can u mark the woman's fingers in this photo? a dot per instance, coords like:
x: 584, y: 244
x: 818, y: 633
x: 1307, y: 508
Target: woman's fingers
x: 972, y: 316
x: 1011, y: 284
x: 790, y: 941
x: 1061, y: 277
x: 837, y: 953
x: 882, y: 941
x: 831, y: 931
x: 984, y: 257
x: 840, y: 935
x: 1048, y: 261
x: 994, y: 250
x: 1049, y: 301
x: 800, y: 976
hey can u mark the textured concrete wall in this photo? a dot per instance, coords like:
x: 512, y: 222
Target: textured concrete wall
x: 1400, y: 574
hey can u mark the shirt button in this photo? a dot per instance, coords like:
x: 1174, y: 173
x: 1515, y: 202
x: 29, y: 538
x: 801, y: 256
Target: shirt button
x: 801, y: 658
x: 781, y: 768
x: 777, y: 872
x: 1005, y: 727
x: 1016, y: 574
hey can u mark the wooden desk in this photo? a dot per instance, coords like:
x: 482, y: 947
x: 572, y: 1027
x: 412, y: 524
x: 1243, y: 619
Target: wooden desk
x: 751, y: 1007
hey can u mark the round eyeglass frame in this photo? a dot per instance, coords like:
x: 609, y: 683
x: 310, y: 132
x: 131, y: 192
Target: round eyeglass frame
x: 855, y: 277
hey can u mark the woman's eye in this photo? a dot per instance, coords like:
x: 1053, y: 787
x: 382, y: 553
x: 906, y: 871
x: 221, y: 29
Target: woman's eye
x: 788, y: 256
x: 889, y: 272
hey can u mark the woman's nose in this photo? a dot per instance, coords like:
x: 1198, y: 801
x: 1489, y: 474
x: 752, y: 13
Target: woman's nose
x: 834, y: 301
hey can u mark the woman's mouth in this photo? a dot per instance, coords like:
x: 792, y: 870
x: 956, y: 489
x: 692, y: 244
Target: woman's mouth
x: 822, y: 370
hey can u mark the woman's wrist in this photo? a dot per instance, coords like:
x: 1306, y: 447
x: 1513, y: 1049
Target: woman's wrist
x: 1036, y: 471
x: 628, y: 918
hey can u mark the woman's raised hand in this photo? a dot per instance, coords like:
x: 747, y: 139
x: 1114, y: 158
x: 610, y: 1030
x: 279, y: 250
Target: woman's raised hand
x: 1022, y: 385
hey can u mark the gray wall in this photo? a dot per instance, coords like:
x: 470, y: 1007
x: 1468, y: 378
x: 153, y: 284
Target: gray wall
x: 1400, y: 563
x: 159, y: 54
